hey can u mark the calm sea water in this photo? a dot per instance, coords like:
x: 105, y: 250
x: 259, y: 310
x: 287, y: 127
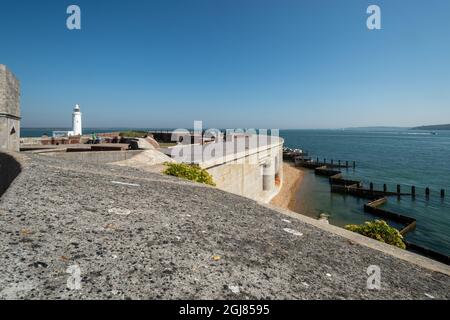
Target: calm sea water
x: 383, y: 156
x: 393, y: 157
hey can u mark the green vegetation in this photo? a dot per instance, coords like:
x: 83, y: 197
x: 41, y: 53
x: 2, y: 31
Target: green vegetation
x: 133, y: 134
x: 379, y: 230
x: 167, y: 144
x: 189, y: 172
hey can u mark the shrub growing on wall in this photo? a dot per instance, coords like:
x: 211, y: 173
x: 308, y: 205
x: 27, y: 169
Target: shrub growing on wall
x: 189, y: 172
x: 379, y: 230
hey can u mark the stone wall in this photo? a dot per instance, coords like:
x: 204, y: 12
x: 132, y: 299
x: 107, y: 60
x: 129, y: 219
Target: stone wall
x: 9, y: 110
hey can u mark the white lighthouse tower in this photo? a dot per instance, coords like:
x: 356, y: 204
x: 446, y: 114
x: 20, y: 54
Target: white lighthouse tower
x: 76, y: 121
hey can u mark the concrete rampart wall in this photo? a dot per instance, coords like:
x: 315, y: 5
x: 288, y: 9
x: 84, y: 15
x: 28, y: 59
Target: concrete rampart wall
x: 245, y: 176
x: 9, y: 170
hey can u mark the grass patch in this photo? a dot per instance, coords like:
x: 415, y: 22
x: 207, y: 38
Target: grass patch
x: 133, y: 134
x: 189, y: 172
x: 167, y: 144
x: 379, y: 230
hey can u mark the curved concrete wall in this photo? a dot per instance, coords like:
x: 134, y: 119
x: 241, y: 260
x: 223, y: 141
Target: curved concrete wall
x: 252, y: 176
x: 10, y: 168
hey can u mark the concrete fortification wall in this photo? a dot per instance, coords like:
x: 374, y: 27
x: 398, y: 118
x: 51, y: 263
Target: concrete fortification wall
x: 9, y: 110
x: 256, y: 175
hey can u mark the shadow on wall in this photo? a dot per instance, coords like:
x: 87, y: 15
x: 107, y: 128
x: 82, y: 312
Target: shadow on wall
x: 10, y: 168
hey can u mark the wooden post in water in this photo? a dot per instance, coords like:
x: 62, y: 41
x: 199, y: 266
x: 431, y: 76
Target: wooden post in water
x: 398, y: 189
x: 332, y: 161
x: 384, y: 188
x: 325, y: 160
x: 346, y: 164
x: 354, y: 164
x: 317, y: 160
x: 413, y: 191
x: 442, y: 193
x: 371, y: 187
x: 339, y: 163
x: 427, y: 192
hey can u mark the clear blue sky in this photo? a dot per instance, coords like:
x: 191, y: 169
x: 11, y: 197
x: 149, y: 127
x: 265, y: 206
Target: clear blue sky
x: 230, y: 63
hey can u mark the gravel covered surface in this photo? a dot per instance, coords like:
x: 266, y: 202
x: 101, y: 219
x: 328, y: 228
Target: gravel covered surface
x: 141, y: 235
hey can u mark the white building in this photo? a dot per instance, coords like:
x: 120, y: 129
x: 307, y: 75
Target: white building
x: 76, y: 125
x: 76, y: 121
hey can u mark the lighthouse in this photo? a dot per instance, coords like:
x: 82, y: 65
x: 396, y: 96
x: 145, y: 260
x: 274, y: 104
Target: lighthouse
x: 76, y: 121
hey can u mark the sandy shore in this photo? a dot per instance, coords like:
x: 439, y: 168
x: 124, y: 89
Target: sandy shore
x: 292, y: 180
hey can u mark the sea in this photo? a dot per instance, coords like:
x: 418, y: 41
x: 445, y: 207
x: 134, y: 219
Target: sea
x: 383, y: 156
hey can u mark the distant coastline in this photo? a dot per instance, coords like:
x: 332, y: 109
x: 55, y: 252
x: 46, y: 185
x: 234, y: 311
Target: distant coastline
x: 433, y: 127
x: 383, y: 128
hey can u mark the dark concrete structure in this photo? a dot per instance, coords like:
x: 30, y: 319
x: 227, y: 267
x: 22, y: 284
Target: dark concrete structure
x: 10, y: 168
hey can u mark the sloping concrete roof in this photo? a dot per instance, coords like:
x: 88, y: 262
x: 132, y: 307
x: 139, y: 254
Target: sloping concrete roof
x: 140, y: 235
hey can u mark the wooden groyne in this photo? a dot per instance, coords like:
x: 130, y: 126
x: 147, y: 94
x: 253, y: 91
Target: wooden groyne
x: 373, y: 208
x: 332, y: 170
x: 428, y: 253
x: 376, y: 198
x: 312, y: 164
x: 409, y: 225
